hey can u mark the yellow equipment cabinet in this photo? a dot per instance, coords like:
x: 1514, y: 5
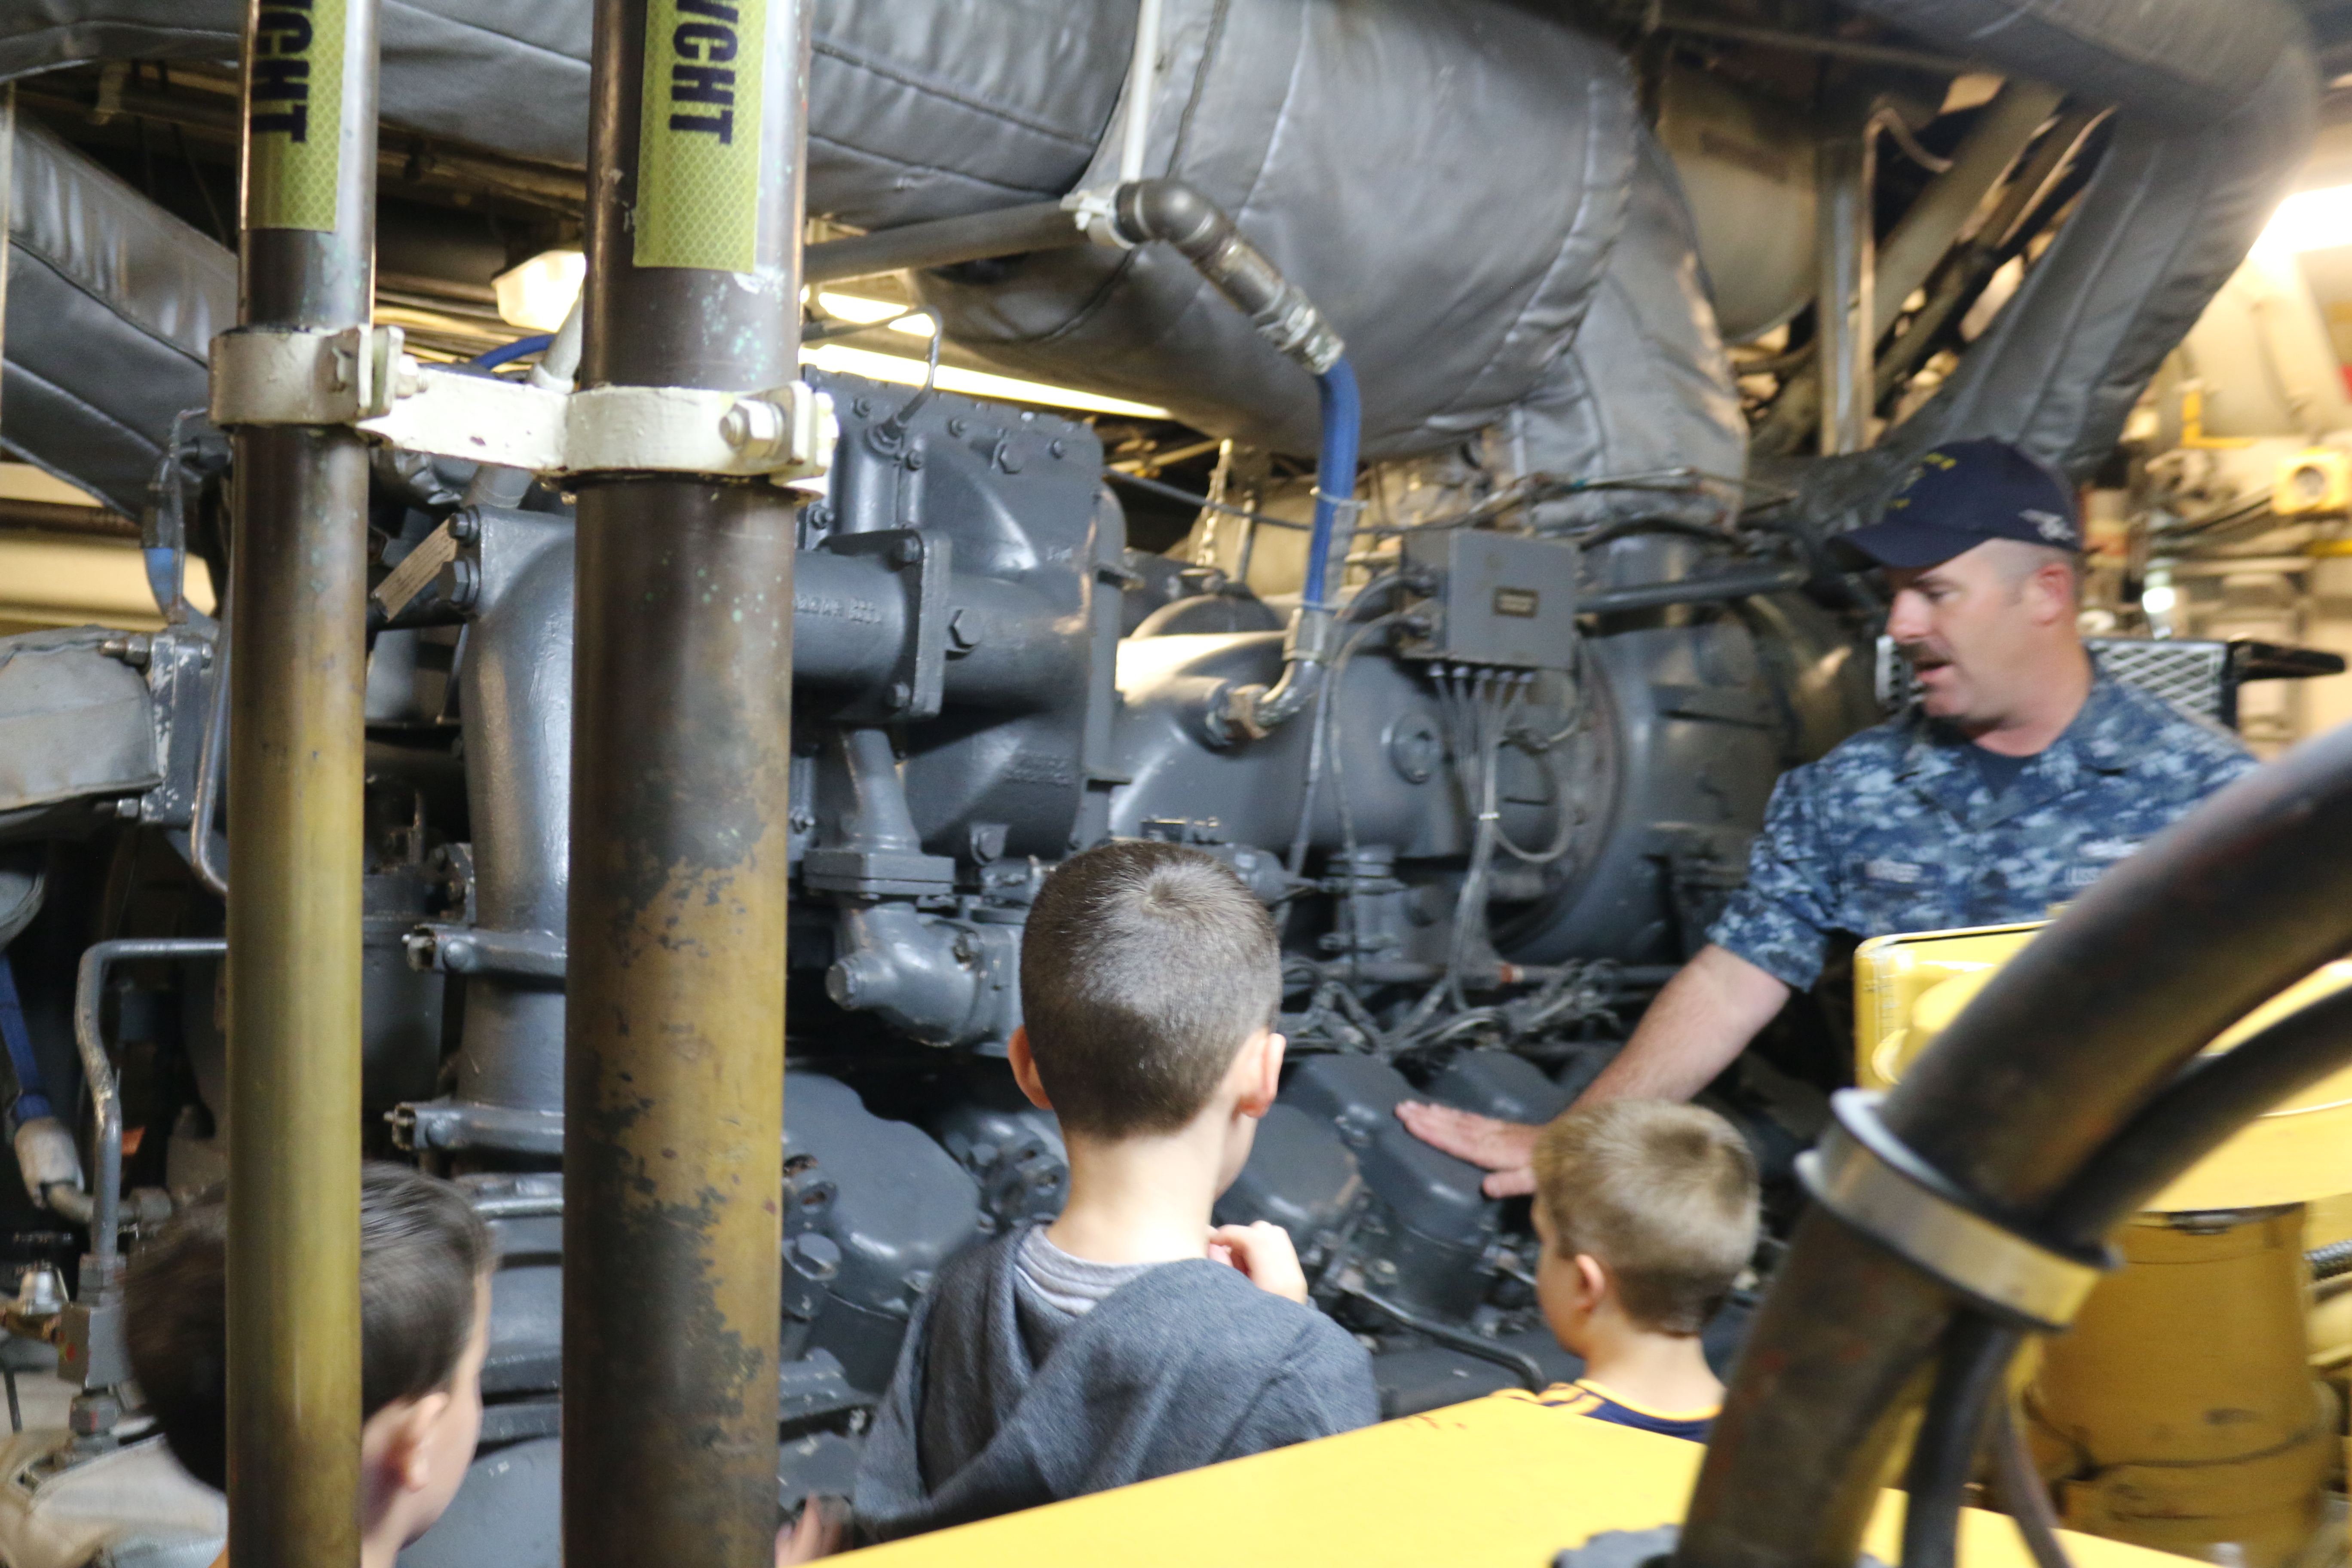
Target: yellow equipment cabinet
x: 2180, y: 1410
x: 1495, y: 1483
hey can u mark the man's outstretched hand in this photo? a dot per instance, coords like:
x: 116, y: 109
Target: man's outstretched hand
x: 1505, y: 1148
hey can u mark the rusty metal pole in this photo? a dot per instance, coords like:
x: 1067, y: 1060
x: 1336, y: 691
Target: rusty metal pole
x: 296, y: 735
x: 680, y: 760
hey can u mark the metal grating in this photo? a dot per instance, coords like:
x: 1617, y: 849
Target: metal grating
x: 2190, y: 673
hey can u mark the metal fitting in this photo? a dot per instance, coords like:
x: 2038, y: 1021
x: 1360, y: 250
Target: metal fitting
x: 135, y: 649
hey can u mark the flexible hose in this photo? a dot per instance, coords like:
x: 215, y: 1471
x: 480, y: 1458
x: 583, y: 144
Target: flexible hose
x: 2018, y: 1487
x: 1335, y: 470
x: 1977, y: 1352
x: 505, y: 352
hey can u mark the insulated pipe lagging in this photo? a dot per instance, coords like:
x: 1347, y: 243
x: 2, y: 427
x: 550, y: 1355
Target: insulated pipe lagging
x: 1205, y: 234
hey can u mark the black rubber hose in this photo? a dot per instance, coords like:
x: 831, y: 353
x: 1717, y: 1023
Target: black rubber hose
x: 2213, y: 1097
x: 1977, y: 1352
x: 2330, y: 1261
x: 2018, y: 1487
x: 2055, y: 1058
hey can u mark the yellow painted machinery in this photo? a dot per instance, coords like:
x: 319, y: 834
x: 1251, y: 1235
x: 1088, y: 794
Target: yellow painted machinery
x: 2180, y: 1412
x: 1495, y: 1483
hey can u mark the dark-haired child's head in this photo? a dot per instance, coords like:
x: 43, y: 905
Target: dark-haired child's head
x: 424, y: 1263
x: 1146, y: 969
x: 1661, y: 1197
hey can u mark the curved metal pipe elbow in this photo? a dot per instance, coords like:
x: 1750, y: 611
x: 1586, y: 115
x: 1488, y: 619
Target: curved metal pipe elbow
x: 1253, y: 712
x: 1205, y: 234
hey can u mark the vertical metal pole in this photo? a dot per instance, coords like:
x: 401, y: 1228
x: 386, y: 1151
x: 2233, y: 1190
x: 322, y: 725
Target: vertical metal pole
x: 681, y: 762
x: 297, y: 733
x: 1845, y: 316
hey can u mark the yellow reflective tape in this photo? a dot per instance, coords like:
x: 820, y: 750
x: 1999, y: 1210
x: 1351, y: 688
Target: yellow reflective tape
x: 698, y: 137
x: 294, y: 107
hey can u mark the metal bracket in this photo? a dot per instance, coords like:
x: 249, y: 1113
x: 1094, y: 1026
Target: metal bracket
x: 360, y: 377
x: 1866, y: 1176
x: 292, y: 376
x: 917, y: 687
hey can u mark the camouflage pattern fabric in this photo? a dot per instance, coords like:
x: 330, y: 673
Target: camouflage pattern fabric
x: 1898, y: 830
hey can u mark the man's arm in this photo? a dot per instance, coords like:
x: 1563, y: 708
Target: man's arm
x: 1705, y: 1016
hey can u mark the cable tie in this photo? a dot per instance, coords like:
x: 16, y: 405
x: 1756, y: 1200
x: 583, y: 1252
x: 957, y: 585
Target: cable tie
x: 1342, y: 503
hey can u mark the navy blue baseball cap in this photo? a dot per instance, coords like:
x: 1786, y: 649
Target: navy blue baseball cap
x: 1962, y: 493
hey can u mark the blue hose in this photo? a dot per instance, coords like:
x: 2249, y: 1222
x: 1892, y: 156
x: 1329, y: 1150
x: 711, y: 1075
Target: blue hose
x: 31, y: 1097
x: 514, y: 351
x: 1335, y: 469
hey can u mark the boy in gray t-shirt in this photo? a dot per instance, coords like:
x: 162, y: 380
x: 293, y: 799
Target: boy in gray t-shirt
x: 1128, y: 1339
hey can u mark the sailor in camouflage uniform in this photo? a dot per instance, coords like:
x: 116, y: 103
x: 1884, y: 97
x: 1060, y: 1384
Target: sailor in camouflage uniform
x: 1900, y: 829
x: 2021, y: 775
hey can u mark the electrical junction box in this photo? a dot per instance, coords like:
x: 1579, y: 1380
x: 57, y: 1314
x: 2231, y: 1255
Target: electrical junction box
x: 1502, y: 599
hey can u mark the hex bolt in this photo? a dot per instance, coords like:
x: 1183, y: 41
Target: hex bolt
x: 862, y: 406
x: 1056, y: 449
x: 461, y: 585
x: 135, y: 649
x: 913, y: 459
x: 755, y: 428
x: 898, y: 697
x: 964, y: 630
x: 907, y: 551
x: 466, y: 525
x: 958, y: 425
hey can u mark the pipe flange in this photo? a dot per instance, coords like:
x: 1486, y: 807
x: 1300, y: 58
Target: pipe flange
x: 1873, y: 1182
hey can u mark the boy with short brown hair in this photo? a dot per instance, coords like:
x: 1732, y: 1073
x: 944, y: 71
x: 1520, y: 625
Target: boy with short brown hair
x: 425, y: 1302
x: 1128, y: 1339
x: 1647, y: 1212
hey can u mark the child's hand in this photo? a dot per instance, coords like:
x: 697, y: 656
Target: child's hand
x: 817, y: 1532
x: 1263, y: 1252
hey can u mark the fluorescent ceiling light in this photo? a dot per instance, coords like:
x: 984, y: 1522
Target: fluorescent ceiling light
x: 539, y: 293
x: 2309, y: 220
x: 850, y: 308
x: 975, y: 384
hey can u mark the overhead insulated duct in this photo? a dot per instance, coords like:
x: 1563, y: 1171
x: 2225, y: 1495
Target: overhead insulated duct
x: 1357, y: 145
x: 2216, y: 106
x: 110, y: 303
x: 917, y: 111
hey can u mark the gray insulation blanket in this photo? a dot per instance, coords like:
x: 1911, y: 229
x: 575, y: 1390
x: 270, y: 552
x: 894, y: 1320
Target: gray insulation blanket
x: 918, y: 111
x: 112, y: 301
x: 1645, y: 388
x: 73, y: 722
x: 2217, y: 107
x: 1443, y: 177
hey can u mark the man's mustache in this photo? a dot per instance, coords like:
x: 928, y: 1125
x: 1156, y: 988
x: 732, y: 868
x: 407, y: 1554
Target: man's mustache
x: 1921, y: 657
